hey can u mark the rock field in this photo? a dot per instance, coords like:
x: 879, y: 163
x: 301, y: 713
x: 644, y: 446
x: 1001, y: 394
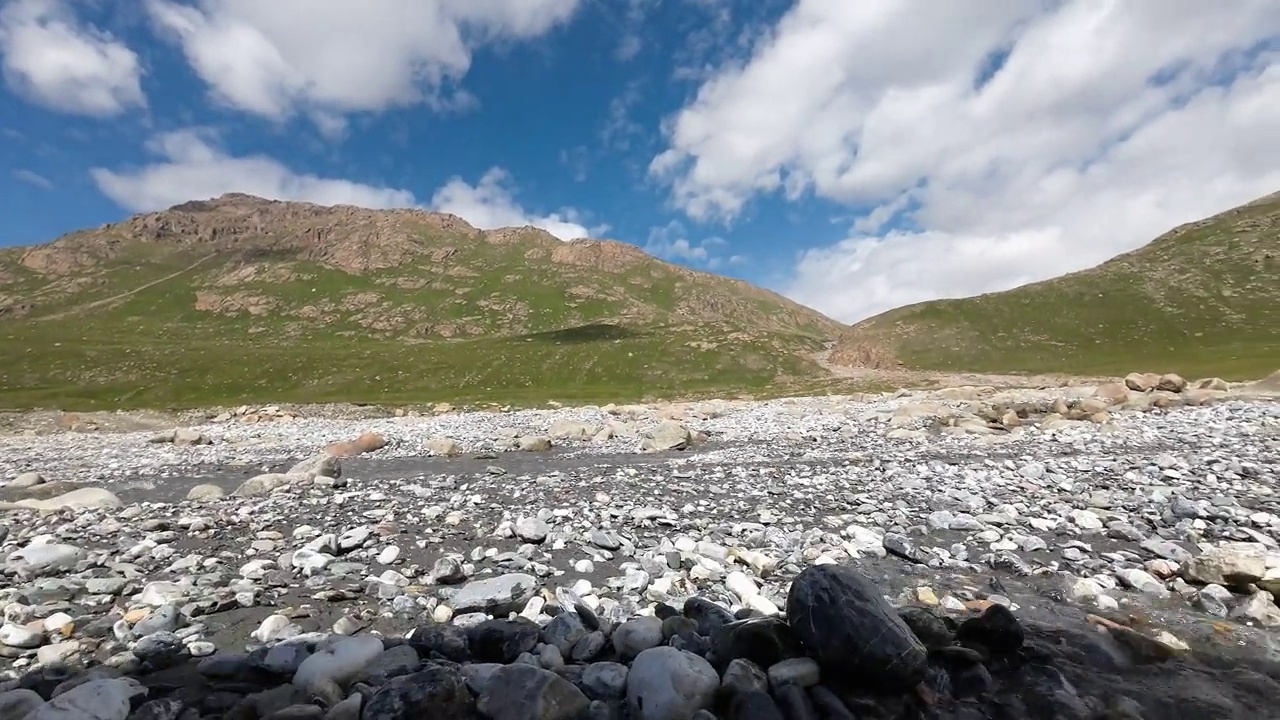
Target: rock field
x: 1084, y: 552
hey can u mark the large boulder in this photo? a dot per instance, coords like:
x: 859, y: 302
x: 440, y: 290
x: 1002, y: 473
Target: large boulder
x: 1141, y: 382
x: 88, y: 498
x: 668, y: 435
x: 366, y: 442
x: 842, y: 618
x: 1231, y: 563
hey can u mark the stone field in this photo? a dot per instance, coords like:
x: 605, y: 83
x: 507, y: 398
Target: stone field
x: 1079, y: 552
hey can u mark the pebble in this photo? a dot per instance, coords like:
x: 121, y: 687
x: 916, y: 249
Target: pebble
x: 1178, y: 501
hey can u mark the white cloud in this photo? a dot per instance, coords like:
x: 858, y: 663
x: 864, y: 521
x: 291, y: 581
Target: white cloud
x: 194, y: 168
x: 55, y: 61
x: 33, y: 178
x: 619, y: 128
x: 491, y: 204
x: 671, y: 242
x: 335, y: 56
x: 1108, y: 123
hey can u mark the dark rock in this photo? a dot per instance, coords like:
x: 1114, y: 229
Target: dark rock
x: 693, y: 642
x: 754, y: 705
x: 438, y: 639
x: 297, y: 712
x: 604, y: 681
x: 277, y: 698
x: 589, y: 619
x: 589, y: 647
x: 764, y: 641
x: 45, y: 679
x: 676, y: 625
x: 394, y: 662
x: 664, y: 611
x: 996, y: 629
x: 928, y: 627
x: 564, y: 631
x: 828, y: 704
x: 1044, y: 692
x: 937, y: 682
x: 971, y: 681
x: 524, y: 692
x: 899, y: 545
x: 437, y: 692
x: 502, y: 641
x: 840, y: 616
x: 742, y: 676
x: 163, y: 709
x: 707, y: 614
x: 795, y: 703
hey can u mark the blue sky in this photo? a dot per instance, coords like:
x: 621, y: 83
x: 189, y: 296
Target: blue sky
x: 855, y: 156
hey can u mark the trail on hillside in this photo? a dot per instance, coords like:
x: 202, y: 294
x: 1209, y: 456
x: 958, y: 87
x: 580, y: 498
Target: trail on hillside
x: 125, y: 294
x: 910, y: 378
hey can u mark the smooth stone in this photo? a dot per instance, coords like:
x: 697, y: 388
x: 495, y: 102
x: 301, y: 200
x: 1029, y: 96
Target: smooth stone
x: 495, y: 596
x: 524, y: 692
x: 669, y: 684
x: 605, y: 680
x: 637, y: 635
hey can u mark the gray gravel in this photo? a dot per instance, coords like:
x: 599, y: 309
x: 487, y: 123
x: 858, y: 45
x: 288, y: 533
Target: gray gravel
x: 1171, y: 513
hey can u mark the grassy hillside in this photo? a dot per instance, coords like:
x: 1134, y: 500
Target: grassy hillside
x: 245, y: 300
x: 1201, y: 300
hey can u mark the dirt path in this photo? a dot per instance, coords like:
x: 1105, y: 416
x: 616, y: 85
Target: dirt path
x: 905, y: 377
x: 125, y: 294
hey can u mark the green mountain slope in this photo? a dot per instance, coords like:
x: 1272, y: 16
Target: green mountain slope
x: 240, y: 299
x: 1201, y: 300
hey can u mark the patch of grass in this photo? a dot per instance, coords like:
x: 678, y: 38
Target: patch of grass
x: 97, y: 372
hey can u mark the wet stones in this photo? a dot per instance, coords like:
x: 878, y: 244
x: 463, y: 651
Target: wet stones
x: 439, y: 639
x: 437, y: 691
x: 764, y: 641
x: 996, y: 630
x: 844, y: 622
x: 708, y: 615
x: 502, y: 641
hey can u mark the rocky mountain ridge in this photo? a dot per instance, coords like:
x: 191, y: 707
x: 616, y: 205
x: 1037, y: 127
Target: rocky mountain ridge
x: 256, y: 278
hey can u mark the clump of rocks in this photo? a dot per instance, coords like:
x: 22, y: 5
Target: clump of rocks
x: 840, y: 651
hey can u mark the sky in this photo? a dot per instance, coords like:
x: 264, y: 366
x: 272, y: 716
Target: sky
x: 854, y: 155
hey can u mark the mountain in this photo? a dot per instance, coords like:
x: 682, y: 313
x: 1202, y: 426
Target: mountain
x: 1201, y: 300
x: 241, y: 299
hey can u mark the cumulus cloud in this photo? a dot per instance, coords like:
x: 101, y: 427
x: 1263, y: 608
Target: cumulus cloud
x: 53, y: 60
x: 491, y: 203
x: 193, y: 167
x: 335, y: 56
x: 989, y: 144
